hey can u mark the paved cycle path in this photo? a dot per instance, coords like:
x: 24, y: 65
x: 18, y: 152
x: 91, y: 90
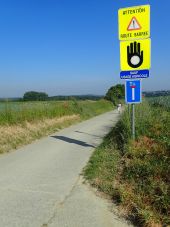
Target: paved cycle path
x: 41, y: 186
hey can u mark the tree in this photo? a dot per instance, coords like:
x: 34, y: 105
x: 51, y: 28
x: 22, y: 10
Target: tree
x: 35, y: 96
x: 115, y: 93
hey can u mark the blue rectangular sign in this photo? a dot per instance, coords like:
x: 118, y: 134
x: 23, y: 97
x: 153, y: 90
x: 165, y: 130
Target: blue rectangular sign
x: 138, y: 74
x: 133, y: 93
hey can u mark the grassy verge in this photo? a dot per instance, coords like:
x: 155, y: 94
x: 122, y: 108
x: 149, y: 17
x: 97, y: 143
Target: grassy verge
x: 21, y: 123
x: 136, y: 173
x: 16, y: 113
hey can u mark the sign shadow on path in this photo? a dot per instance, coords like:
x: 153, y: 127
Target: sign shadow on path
x: 70, y: 140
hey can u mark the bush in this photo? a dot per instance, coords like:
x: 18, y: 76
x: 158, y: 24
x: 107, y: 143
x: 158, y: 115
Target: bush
x: 35, y: 96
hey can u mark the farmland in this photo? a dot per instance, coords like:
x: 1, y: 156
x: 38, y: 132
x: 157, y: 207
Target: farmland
x: 20, y: 112
x: 23, y: 122
x: 136, y: 173
x: 162, y: 101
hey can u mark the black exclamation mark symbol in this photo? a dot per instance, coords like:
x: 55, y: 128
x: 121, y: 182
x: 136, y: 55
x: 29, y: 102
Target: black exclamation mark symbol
x: 133, y: 23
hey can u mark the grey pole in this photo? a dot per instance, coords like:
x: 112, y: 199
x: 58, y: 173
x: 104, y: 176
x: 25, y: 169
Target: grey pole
x: 129, y: 109
x: 133, y: 121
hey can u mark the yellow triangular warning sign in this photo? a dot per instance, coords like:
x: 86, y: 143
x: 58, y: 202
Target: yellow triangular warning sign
x: 134, y: 25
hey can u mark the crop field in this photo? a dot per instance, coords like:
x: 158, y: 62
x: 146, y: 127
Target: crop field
x: 19, y: 112
x: 19, y: 106
x: 23, y: 122
x: 163, y: 101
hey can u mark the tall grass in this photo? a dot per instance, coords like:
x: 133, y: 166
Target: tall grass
x: 136, y: 173
x: 161, y: 101
x: 144, y: 181
x: 17, y: 113
x: 34, y: 111
x: 21, y: 123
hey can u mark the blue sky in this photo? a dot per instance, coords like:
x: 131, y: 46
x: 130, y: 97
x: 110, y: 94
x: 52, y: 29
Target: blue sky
x: 71, y: 47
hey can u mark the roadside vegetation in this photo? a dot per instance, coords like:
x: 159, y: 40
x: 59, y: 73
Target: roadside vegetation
x: 23, y: 122
x: 161, y: 101
x: 136, y: 174
x: 116, y: 94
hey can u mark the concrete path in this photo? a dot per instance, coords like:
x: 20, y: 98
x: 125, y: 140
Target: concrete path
x: 40, y: 184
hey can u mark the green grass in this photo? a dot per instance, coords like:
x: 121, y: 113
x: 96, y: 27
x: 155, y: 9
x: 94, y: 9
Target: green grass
x: 136, y: 173
x: 23, y: 122
x: 102, y: 167
x: 17, y: 113
x: 161, y: 101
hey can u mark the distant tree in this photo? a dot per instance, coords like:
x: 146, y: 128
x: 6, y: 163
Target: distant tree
x: 115, y: 93
x: 35, y: 96
x: 77, y: 97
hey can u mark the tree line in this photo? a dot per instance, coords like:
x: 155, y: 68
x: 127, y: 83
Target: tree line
x: 35, y: 96
x: 42, y: 96
x: 114, y: 94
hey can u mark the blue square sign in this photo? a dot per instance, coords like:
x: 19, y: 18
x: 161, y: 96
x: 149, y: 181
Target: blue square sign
x: 133, y: 93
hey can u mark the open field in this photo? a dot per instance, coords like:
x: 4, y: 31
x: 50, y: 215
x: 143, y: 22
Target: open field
x: 136, y: 173
x: 21, y: 123
x: 163, y: 101
x: 20, y: 112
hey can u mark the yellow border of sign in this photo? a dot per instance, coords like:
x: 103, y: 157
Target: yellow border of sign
x: 142, y: 16
x: 128, y: 50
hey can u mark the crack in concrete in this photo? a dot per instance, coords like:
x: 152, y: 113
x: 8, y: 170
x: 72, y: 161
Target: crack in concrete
x: 72, y: 189
x: 61, y: 203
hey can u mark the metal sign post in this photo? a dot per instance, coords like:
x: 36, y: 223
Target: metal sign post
x: 129, y: 109
x: 133, y: 121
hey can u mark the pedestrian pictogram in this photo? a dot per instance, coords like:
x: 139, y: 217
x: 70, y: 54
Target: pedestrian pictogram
x: 134, y: 22
x: 134, y: 25
x: 133, y: 91
x: 135, y: 55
